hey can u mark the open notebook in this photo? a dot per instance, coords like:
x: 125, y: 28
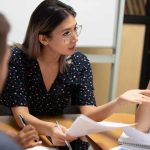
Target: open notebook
x: 135, y: 138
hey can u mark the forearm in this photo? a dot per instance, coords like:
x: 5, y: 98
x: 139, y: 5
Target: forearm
x: 102, y: 112
x: 142, y: 117
x: 43, y: 127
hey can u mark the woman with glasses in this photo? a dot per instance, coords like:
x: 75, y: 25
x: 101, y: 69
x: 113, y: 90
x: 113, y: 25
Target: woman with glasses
x: 47, y: 73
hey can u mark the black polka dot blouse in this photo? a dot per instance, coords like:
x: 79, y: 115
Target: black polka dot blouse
x: 25, y: 87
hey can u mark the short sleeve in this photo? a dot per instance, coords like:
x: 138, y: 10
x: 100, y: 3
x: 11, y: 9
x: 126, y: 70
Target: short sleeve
x: 83, y: 92
x: 14, y: 93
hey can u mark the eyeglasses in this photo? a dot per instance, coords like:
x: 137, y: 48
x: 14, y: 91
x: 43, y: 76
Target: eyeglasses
x: 67, y: 36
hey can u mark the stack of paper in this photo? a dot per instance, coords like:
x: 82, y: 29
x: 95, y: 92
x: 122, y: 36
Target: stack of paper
x: 127, y: 147
x: 83, y: 126
x: 136, y: 134
x: 134, y: 139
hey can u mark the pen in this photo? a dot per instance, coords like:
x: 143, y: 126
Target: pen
x: 23, y: 121
x: 67, y: 143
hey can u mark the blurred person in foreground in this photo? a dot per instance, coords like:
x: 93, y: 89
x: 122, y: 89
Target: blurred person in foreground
x: 11, y: 140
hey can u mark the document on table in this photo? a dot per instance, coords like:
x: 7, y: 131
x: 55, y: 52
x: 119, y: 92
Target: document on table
x: 83, y: 126
x: 127, y: 147
x: 136, y: 134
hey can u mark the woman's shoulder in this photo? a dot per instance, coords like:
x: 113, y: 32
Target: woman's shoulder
x: 18, y: 55
x: 17, y: 52
x: 79, y: 57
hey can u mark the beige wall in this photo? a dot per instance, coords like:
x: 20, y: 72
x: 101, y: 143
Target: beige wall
x: 129, y: 66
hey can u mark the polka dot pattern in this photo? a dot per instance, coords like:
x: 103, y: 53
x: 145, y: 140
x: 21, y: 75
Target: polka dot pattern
x: 25, y: 86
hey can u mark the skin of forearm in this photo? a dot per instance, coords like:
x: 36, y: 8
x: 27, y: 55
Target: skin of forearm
x: 142, y: 117
x: 102, y: 112
x: 43, y: 127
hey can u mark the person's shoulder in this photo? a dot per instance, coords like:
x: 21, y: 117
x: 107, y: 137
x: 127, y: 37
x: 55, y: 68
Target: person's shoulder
x: 18, y: 55
x: 16, y: 52
x: 79, y: 58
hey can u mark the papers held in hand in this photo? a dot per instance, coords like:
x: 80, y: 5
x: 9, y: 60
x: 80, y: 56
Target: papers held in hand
x: 83, y: 126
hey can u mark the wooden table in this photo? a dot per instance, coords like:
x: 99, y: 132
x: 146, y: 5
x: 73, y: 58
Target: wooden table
x: 108, y: 140
x: 100, y: 141
x: 7, y: 123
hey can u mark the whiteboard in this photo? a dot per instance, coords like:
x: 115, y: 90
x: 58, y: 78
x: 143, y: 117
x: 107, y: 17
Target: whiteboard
x: 98, y: 18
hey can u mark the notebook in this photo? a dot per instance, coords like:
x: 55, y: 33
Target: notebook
x: 135, y: 139
x: 127, y: 147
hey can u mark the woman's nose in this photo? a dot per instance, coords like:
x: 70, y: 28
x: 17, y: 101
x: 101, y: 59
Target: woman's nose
x: 74, y: 37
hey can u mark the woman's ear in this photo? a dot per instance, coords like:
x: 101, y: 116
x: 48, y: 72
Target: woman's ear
x: 43, y: 39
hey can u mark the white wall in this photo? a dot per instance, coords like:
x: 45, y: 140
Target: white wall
x: 96, y: 16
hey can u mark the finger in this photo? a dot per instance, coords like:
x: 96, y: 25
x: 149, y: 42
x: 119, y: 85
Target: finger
x: 64, y: 129
x: 58, y: 140
x: 28, y: 128
x: 30, y: 138
x: 146, y: 97
x: 70, y: 138
x: 58, y: 134
x: 146, y: 92
x: 145, y: 101
x: 138, y: 101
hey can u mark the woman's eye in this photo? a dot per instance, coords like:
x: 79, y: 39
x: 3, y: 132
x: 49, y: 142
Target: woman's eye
x: 67, y: 33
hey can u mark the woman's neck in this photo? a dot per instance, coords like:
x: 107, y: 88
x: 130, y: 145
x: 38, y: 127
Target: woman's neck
x: 49, y: 58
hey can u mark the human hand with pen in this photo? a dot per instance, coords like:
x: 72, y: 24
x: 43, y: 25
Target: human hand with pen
x: 59, y: 137
x: 27, y: 137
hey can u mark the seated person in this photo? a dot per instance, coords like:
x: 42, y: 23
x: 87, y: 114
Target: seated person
x: 47, y: 73
x: 26, y: 137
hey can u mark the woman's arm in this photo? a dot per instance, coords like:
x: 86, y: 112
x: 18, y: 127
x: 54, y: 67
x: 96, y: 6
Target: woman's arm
x: 43, y: 127
x: 142, y: 117
x: 102, y: 112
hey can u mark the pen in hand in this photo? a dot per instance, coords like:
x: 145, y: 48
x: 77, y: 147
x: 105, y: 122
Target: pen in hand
x: 24, y: 123
x: 67, y: 143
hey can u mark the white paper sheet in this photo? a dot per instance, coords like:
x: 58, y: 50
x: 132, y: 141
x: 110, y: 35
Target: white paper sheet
x: 136, y: 134
x: 41, y: 148
x: 126, y: 147
x: 83, y: 126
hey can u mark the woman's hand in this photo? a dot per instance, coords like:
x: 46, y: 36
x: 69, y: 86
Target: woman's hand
x: 136, y: 96
x: 59, y: 136
x: 28, y: 137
